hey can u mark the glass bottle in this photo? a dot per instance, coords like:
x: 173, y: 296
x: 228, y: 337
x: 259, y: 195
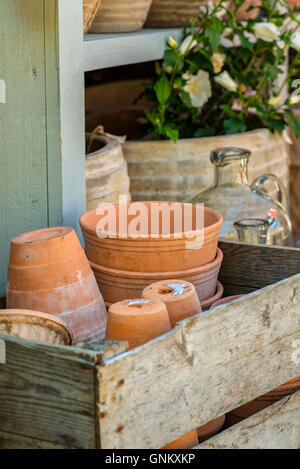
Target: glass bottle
x: 235, y: 198
x: 252, y: 230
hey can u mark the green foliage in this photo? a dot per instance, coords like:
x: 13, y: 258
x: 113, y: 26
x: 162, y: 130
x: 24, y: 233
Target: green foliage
x: 221, y: 78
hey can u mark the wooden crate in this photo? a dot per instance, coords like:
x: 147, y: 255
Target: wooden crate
x: 101, y: 396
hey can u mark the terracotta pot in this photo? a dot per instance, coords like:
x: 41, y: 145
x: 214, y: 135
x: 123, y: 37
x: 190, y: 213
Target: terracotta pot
x: 211, y: 429
x: 166, y: 170
x: 106, y: 172
x: 188, y: 441
x: 118, y: 285
x: 137, y: 321
x: 293, y: 3
x: 205, y: 305
x: 155, y: 247
x: 48, y: 271
x: 175, y: 13
x: 224, y: 301
x: 180, y: 298
x: 35, y: 326
x: 262, y: 402
x: 120, y: 16
x: 90, y: 8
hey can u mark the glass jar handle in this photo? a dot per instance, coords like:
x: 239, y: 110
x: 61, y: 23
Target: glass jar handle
x: 259, y: 185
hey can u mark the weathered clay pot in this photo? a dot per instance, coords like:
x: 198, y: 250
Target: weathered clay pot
x: 205, y: 305
x: 245, y: 411
x: 106, y: 172
x: 90, y: 8
x: 211, y: 429
x: 35, y: 326
x: 118, y: 285
x: 120, y: 16
x: 137, y: 321
x: 175, y: 13
x: 153, y: 247
x: 166, y: 170
x: 180, y: 298
x: 225, y: 301
x: 48, y: 271
x: 188, y: 441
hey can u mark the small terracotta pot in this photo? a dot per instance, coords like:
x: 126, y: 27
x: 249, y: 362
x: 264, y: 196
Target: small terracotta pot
x: 117, y: 285
x: 48, y: 271
x: 35, y: 326
x: 211, y: 429
x: 188, y: 441
x: 137, y: 321
x: 180, y: 298
x: 158, y: 244
x: 262, y: 402
x: 224, y: 301
x: 205, y: 305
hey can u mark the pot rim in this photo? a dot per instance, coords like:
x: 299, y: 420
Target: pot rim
x: 180, y: 274
x: 57, y: 231
x: 36, y: 315
x: 209, y: 301
x: 111, y: 236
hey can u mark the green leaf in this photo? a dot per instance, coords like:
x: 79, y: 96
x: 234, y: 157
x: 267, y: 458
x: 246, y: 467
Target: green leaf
x: 293, y: 122
x: 162, y: 89
x: 171, y: 133
x: 213, y: 36
x: 233, y: 126
x: 186, y: 99
x: 154, y: 117
x: 245, y: 43
x: 272, y: 71
x: 276, y: 125
x: 207, y: 131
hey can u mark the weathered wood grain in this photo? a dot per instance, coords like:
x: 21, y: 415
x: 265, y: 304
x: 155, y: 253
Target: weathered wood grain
x: 47, y: 393
x: 206, y: 367
x: 277, y: 427
x: 15, y: 441
x: 253, y: 266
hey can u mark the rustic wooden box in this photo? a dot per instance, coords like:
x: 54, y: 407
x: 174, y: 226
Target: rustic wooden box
x: 104, y: 397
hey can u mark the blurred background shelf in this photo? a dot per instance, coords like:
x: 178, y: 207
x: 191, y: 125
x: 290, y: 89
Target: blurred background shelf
x: 111, y: 50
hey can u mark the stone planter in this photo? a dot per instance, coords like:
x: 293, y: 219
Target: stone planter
x: 164, y: 170
x: 90, y: 8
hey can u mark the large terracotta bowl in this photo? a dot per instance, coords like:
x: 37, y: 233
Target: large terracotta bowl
x: 117, y: 285
x: 151, y: 236
x: 35, y: 326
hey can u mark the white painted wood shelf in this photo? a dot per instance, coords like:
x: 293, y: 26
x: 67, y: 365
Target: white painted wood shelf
x: 111, y: 50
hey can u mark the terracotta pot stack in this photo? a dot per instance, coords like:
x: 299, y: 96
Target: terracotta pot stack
x: 125, y: 262
x: 48, y: 271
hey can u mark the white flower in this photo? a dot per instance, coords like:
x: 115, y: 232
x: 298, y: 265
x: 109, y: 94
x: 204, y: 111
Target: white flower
x: 267, y: 31
x: 218, y: 61
x: 295, y: 41
x: 294, y: 99
x: 281, y: 44
x: 172, y: 43
x: 225, y: 80
x: 187, y: 45
x: 274, y: 100
x: 198, y: 87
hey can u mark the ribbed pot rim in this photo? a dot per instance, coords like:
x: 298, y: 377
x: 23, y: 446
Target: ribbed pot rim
x: 112, y: 237
x: 179, y: 274
x: 217, y: 296
x: 16, y: 315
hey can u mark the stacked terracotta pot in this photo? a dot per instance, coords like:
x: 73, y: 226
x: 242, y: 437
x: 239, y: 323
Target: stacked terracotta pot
x: 125, y: 263
x: 48, y: 271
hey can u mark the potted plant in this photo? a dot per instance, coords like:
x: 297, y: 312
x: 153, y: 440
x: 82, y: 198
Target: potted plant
x: 222, y: 85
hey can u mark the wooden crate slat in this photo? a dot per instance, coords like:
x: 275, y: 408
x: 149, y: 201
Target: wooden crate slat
x: 277, y: 427
x: 48, y: 391
x: 15, y: 441
x: 206, y: 367
x: 252, y: 266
